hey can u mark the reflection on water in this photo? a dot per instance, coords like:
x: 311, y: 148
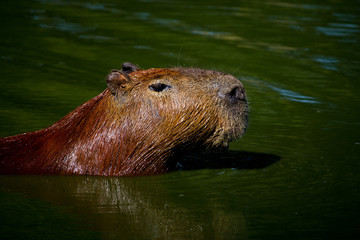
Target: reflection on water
x: 296, y: 172
x: 129, y: 207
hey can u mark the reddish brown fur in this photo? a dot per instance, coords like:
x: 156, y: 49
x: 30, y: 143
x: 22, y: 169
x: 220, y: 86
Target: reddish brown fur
x: 131, y: 130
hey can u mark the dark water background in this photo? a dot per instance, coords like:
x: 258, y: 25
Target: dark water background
x: 299, y: 62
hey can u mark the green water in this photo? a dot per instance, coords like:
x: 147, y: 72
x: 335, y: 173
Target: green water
x: 299, y: 62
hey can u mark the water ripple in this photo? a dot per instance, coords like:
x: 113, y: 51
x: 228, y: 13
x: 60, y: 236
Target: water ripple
x: 327, y: 62
x: 293, y: 96
x: 334, y: 30
x: 61, y: 24
x: 286, y: 93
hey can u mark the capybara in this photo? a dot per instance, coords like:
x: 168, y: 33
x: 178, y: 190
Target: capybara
x: 137, y: 126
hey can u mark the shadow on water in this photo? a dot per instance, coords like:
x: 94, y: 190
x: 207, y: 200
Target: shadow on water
x: 229, y: 159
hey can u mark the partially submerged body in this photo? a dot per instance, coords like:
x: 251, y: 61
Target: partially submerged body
x: 136, y: 126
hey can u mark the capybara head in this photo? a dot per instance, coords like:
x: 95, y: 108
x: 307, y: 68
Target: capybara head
x: 179, y: 106
x: 138, y: 126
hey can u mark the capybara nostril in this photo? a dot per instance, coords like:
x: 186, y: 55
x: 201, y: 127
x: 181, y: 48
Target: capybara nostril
x: 232, y: 94
x: 237, y: 93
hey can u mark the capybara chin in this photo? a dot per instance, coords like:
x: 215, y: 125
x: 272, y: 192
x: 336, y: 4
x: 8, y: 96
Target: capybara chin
x: 137, y: 126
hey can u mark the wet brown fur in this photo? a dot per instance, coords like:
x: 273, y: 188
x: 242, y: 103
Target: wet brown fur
x: 131, y: 130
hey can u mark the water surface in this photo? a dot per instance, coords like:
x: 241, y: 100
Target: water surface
x: 299, y: 62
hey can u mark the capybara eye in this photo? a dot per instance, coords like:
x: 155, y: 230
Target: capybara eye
x: 159, y: 87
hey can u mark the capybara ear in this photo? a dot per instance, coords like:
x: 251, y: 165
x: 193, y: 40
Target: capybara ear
x: 129, y: 67
x: 117, y: 81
